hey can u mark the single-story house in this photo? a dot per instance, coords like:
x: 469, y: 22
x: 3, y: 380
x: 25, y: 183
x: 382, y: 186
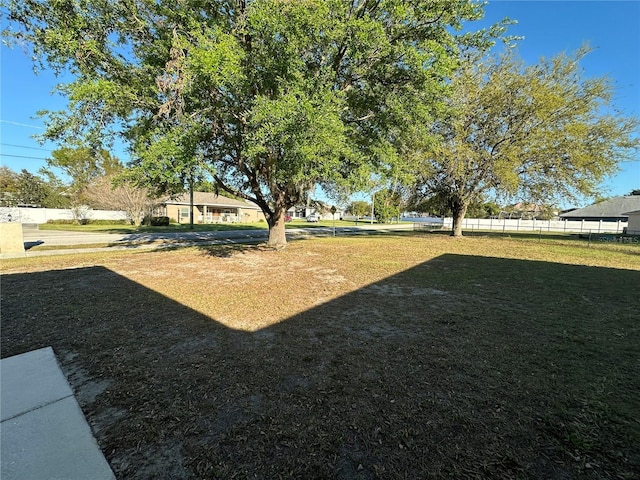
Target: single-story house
x: 209, y: 208
x: 611, y: 210
x: 300, y: 212
x: 321, y: 209
x: 633, y: 227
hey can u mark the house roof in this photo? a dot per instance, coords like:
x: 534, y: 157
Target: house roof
x: 613, y: 207
x: 209, y: 199
x: 635, y: 212
x: 526, y: 207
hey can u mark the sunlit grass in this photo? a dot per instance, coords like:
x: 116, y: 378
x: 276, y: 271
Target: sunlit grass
x: 197, y: 227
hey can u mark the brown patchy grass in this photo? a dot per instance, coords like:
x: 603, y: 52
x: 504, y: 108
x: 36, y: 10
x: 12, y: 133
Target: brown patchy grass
x: 395, y: 356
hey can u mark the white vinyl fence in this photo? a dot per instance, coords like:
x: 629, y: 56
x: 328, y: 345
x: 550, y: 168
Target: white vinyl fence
x: 42, y: 215
x: 518, y: 225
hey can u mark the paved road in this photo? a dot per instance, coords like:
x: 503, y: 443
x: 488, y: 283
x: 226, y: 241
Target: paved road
x: 82, y: 240
x: 34, y: 237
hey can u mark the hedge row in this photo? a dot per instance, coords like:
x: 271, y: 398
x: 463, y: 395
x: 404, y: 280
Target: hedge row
x: 88, y: 221
x: 154, y: 221
x: 157, y: 221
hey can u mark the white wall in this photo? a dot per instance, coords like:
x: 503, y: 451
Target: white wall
x: 42, y: 215
x: 573, y: 226
x: 634, y: 224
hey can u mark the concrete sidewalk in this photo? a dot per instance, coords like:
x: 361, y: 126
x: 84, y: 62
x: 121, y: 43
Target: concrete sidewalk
x: 43, y: 434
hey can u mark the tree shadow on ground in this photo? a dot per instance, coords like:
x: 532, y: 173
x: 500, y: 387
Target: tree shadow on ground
x: 460, y: 367
x: 29, y: 245
x: 230, y: 250
x: 602, y: 241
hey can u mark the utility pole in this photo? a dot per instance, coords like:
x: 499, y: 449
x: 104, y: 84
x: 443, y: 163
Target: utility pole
x: 191, y: 202
x: 373, y: 201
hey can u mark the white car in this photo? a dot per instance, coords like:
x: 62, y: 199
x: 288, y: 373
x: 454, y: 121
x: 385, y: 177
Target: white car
x: 314, y: 217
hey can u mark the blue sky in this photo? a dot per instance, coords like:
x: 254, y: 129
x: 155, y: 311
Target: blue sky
x: 612, y: 28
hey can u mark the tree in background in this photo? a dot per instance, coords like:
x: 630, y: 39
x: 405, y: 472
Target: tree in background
x: 387, y: 205
x: 359, y: 208
x: 275, y: 95
x: 481, y: 209
x: 82, y: 166
x: 8, y: 187
x: 57, y: 191
x: 30, y: 189
x: 111, y: 193
x: 542, y: 133
x: 26, y: 188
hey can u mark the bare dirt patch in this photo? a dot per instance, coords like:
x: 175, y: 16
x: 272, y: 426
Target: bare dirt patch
x: 386, y: 357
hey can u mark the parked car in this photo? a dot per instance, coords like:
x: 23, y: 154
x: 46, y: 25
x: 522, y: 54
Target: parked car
x: 314, y: 217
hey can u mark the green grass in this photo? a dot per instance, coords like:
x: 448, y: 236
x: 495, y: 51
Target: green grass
x: 117, y: 228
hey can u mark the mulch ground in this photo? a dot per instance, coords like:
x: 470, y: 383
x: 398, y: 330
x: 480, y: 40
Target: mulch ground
x: 343, y: 358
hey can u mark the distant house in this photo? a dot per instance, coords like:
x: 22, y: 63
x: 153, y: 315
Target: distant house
x: 209, y: 208
x: 300, y: 212
x: 611, y: 210
x: 633, y: 227
x: 322, y: 209
x: 525, y: 211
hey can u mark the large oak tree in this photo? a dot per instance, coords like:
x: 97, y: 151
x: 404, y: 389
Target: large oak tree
x: 275, y: 95
x: 542, y: 132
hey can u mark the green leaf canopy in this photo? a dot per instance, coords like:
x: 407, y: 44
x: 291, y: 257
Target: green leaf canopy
x: 541, y: 133
x: 274, y: 96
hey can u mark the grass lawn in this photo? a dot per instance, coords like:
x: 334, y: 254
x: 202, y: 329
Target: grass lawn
x: 394, y: 356
x: 174, y: 227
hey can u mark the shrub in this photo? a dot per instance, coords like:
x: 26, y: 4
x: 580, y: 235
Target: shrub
x: 87, y: 221
x: 160, y: 221
x: 110, y: 222
x: 61, y: 222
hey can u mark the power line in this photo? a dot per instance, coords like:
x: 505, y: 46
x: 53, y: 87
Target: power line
x: 21, y: 124
x: 21, y: 156
x: 24, y: 146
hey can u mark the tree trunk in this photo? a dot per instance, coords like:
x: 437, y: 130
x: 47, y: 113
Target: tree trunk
x: 459, y: 211
x: 277, y: 235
